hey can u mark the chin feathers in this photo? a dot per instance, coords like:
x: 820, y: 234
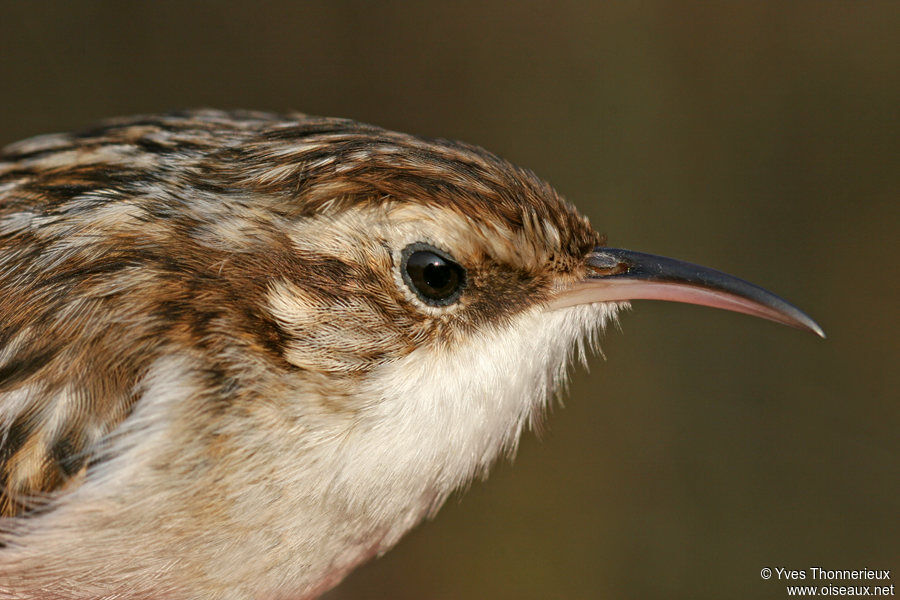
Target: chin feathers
x: 451, y: 411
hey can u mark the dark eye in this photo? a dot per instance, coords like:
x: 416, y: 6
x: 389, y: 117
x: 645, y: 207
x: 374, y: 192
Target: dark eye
x: 432, y: 275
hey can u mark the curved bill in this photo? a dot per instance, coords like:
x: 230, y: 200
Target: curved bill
x: 616, y: 275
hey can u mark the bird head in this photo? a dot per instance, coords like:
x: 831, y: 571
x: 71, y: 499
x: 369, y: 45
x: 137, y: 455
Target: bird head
x: 288, y: 338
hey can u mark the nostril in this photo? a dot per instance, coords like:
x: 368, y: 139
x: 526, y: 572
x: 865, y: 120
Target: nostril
x: 603, y: 269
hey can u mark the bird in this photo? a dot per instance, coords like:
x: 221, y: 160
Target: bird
x: 242, y: 353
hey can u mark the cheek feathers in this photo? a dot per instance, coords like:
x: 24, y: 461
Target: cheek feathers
x: 334, y: 332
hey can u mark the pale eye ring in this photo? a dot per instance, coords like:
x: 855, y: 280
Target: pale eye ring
x: 432, y: 274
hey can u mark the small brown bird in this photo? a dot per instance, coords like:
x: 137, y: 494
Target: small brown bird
x: 242, y: 353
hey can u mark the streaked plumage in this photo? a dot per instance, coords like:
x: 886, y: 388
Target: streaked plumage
x: 199, y: 312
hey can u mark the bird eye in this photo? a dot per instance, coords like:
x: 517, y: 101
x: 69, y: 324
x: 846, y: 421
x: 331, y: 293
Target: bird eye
x: 432, y: 275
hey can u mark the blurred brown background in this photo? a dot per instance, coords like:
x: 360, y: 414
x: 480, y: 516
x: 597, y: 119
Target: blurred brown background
x: 760, y: 138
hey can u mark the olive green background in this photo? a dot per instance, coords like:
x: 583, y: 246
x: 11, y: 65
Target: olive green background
x: 760, y: 138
